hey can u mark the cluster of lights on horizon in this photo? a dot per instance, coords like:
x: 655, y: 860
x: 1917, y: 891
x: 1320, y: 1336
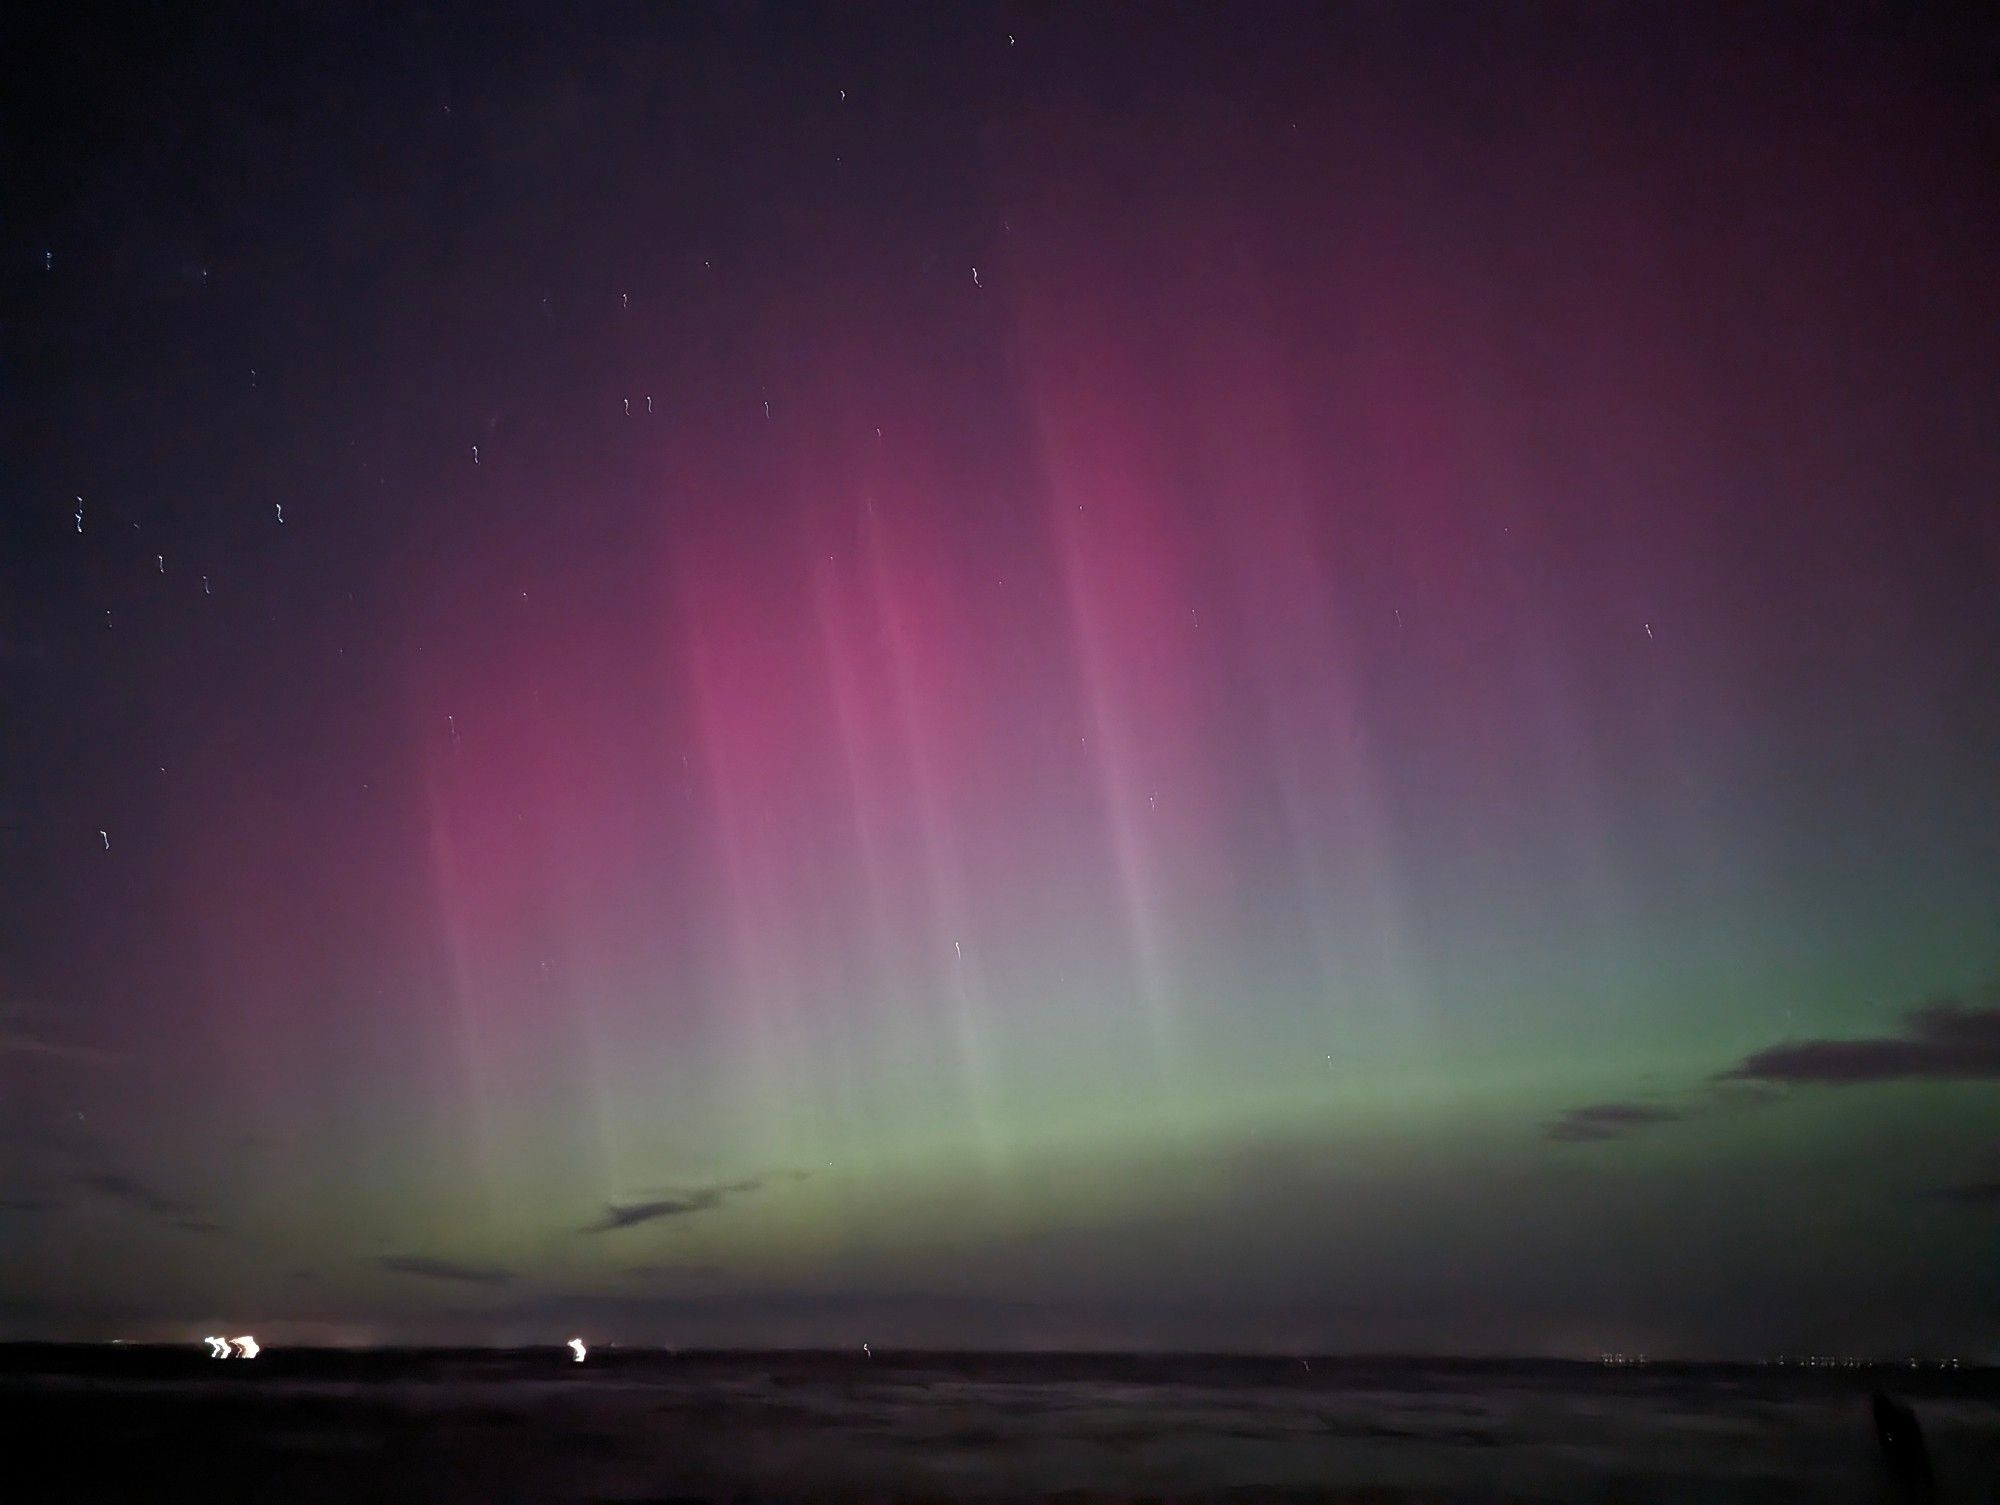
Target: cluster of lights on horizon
x: 247, y: 1347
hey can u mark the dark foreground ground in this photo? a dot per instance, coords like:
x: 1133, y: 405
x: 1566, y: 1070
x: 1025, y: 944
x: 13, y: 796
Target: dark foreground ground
x: 128, y: 1424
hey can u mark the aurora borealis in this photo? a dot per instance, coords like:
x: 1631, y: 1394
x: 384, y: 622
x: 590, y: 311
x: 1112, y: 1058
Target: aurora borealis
x: 963, y: 676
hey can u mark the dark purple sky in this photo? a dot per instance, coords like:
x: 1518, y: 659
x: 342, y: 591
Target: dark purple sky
x: 1277, y: 677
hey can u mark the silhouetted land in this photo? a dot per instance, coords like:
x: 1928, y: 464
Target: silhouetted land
x: 301, y: 1426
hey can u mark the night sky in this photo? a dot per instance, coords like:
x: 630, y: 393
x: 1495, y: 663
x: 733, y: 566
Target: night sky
x: 1240, y: 677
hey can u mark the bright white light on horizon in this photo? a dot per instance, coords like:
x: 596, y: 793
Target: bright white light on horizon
x: 218, y: 1348
x: 576, y: 1344
x: 246, y: 1347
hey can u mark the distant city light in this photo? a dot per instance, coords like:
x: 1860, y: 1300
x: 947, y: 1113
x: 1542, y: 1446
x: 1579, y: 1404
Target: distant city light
x: 246, y: 1347
x: 218, y: 1348
x: 576, y: 1346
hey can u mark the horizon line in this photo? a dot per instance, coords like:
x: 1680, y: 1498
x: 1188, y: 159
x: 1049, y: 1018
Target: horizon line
x: 1607, y: 1359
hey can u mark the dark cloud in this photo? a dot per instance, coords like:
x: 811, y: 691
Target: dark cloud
x: 673, y: 1272
x: 1721, y: 1094
x: 445, y: 1269
x: 1940, y: 1042
x: 679, y: 1205
x: 1945, y: 1041
x: 133, y: 1193
x: 21, y: 1041
x: 1596, y: 1122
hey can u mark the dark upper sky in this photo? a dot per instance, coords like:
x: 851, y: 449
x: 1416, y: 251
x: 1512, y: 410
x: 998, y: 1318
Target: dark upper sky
x: 1275, y: 677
